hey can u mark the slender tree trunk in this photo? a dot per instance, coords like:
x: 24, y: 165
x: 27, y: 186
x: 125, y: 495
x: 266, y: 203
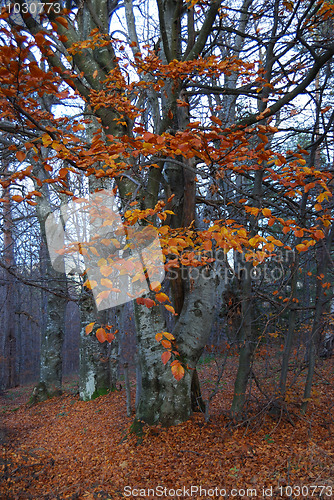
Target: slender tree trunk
x: 99, y: 363
x: 246, y: 343
x: 10, y: 378
x: 291, y: 331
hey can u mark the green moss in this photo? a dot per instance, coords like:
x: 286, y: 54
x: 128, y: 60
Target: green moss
x: 102, y: 391
x: 39, y: 394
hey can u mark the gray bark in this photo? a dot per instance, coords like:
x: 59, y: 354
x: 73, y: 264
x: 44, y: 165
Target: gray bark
x: 316, y: 342
x: 98, y: 363
x: 52, y: 335
x: 246, y: 346
x: 163, y: 399
x: 9, y: 376
x: 94, y: 356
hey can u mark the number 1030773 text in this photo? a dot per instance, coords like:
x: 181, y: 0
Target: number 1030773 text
x: 34, y: 8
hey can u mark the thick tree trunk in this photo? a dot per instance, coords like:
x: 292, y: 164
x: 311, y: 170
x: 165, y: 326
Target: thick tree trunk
x: 51, y: 362
x: 246, y: 343
x: 52, y: 334
x: 94, y: 356
x: 163, y: 399
x: 55, y: 302
x: 99, y: 363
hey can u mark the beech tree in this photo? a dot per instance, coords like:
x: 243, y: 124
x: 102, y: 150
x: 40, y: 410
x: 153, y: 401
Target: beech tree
x: 191, y: 118
x: 8, y: 368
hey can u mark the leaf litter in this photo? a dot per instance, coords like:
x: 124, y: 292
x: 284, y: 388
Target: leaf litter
x: 65, y: 448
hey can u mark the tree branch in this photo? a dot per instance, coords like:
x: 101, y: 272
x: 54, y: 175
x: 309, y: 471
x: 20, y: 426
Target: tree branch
x: 205, y: 31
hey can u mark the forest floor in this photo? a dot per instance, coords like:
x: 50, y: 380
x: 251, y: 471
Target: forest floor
x: 68, y: 449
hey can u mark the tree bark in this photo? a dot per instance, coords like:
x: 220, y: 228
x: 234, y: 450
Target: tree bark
x: 9, y: 373
x: 94, y: 357
x: 52, y: 335
x: 163, y: 399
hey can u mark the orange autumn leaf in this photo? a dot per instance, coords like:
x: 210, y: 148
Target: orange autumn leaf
x: 168, y: 335
x: 89, y: 328
x: 166, y: 344
x: 36, y: 193
x: 162, y: 297
x: 216, y: 120
x: 106, y: 282
x: 318, y: 234
x: 101, y: 335
x: 177, y: 370
x: 163, y: 230
x: 149, y: 303
x: 207, y: 245
x: 102, y: 295
x: 63, y: 173
x: 252, y: 210
x: 155, y: 286
x: 94, y: 251
x: 165, y: 356
x: 171, y: 309
x: 106, y: 270
x: 90, y: 284
x: 110, y: 337
x: 62, y: 21
x: 106, y: 241
x: 20, y: 155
